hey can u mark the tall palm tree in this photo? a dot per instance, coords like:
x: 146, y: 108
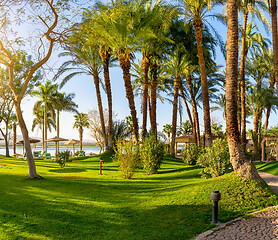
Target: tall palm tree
x: 81, y: 122
x: 195, y: 11
x: 117, y: 28
x: 167, y: 128
x: 46, y: 93
x: 63, y: 102
x: 251, y: 40
x: 237, y: 156
x: 85, y: 59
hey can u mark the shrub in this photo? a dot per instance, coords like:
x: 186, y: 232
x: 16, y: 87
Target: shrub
x: 151, y: 154
x: 76, y: 153
x: 215, y: 160
x: 62, y: 158
x: 191, y: 154
x: 126, y: 156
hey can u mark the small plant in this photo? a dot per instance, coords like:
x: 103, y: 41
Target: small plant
x: 126, y: 156
x: 76, y: 153
x: 151, y: 154
x: 215, y: 160
x: 62, y: 158
x: 191, y: 154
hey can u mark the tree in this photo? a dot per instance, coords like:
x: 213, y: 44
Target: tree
x: 195, y: 11
x: 237, y: 156
x: 81, y: 122
x: 47, y: 94
x: 85, y: 59
x: 8, y: 59
x: 116, y: 29
x: 167, y: 128
x: 185, y: 129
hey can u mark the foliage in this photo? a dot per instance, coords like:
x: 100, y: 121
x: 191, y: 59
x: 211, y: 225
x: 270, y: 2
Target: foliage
x: 215, y: 160
x: 191, y: 154
x: 126, y: 156
x: 62, y: 158
x: 185, y: 129
x: 151, y: 154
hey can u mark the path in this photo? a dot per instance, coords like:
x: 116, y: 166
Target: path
x: 261, y: 226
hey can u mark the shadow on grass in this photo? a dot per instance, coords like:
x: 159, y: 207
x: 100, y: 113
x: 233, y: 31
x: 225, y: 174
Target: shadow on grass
x: 68, y: 170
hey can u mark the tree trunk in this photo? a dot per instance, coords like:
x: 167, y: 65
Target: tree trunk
x: 105, y: 56
x: 100, y: 109
x: 273, y: 11
x: 271, y: 87
x: 81, y: 137
x: 58, y: 129
x: 14, y: 138
x: 189, y: 115
x: 125, y: 65
x: 175, y: 113
x: 194, y: 108
x: 153, y: 99
x: 237, y: 156
x: 27, y: 146
x: 242, y: 126
x: 150, y: 107
x: 5, y: 136
x: 145, y: 66
x: 198, y: 36
x: 45, y: 128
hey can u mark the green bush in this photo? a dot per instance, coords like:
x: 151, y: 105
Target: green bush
x: 190, y: 154
x: 126, y: 156
x: 151, y: 154
x: 215, y: 160
x: 62, y: 158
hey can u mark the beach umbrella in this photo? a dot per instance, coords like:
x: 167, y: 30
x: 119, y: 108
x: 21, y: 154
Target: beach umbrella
x: 56, y: 140
x: 72, y: 142
x: 32, y: 140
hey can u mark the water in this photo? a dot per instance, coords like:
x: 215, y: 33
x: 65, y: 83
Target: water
x: 52, y: 150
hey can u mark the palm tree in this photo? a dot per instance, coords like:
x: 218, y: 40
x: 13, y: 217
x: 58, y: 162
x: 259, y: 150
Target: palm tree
x: 185, y: 128
x: 251, y: 40
x: 195, y: 11
x: 273, y: 12
x: 117, y: 29
x: 85, y: 59
x: 39, y: 121
x: 46, y: 93
x: 167, y: 128
x: 81, y: 121
x: 237, y: 156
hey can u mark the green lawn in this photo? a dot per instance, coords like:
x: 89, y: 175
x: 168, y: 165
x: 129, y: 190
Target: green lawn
x: 77, y: 203
x: 269, y: 167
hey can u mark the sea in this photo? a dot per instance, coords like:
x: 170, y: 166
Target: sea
x: 52, y: 150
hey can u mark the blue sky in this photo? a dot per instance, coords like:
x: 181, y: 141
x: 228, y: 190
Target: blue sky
x: 84, y: 89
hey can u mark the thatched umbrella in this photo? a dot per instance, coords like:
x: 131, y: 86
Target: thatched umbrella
x: 72, y: 142
x: 56, y: 140
x: 32, y: 140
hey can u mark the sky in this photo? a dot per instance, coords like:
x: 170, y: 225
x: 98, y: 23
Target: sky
x: 84, y: 90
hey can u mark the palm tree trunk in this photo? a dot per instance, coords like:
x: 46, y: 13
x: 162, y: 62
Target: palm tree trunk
x: 100, y: 109
x: 105, y: 56
x: 150, y: 107
x: 174, y: 116
x: 145, y: 66
x: 194, y: 108
x: 45, y: 128
x: 14, y: 138
x: 273, y: 10
x: 242, y: 84
x: 237, y: 156
x: 81, y: 137
x: 189, y: 115
x: 125, y: 65
x: 58, y: 128
x: 27, y: 146
x: 198, y: 36
x: 153, y: 99
x: 271, y: 87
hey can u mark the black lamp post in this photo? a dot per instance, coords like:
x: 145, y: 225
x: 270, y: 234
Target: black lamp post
x: 215, y: 197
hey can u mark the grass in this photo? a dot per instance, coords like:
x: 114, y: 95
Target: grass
x: 78, y: 203
x: 268, y: 167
